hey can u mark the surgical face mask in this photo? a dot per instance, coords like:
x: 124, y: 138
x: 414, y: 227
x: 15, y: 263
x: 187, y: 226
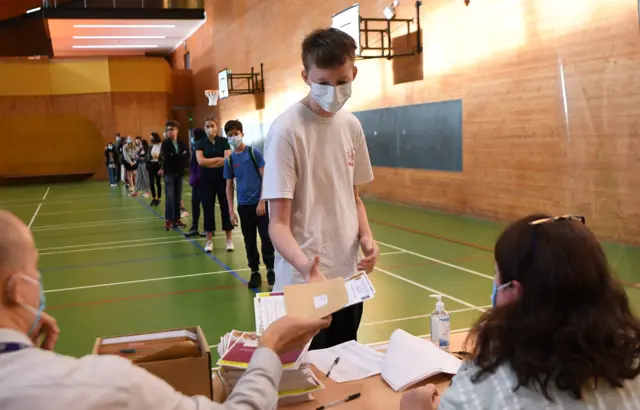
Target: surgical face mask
x: 330, y: 98
x: 235, y: 141
x: 36, y: 312
x: 494, y: 292
x: 128, y: 140
x: 110, y: 147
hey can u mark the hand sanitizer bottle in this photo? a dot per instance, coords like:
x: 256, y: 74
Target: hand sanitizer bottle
x: 440, y: 325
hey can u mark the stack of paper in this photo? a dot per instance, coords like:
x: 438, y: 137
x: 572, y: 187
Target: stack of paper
x: 298, y: 381
x: 354, y: 361
x: 410, y: 360
x: 312, y: 300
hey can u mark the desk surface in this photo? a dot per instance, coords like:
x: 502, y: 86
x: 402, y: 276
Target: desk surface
x: 376, y: 393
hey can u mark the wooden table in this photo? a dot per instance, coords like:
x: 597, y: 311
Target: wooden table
x: 376, y: 393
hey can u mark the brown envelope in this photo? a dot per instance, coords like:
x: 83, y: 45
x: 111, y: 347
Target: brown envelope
x: 315, y: 300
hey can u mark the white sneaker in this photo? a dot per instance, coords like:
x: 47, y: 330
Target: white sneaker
x: 185, y: 214
x: 230, y: 246
x: 208, y: 247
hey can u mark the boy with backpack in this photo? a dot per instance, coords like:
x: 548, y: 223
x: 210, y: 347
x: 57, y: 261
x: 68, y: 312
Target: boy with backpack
x: 246, y: 166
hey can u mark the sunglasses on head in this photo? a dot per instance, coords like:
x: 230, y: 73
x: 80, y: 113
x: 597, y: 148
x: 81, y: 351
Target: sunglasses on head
x: 558, y: 218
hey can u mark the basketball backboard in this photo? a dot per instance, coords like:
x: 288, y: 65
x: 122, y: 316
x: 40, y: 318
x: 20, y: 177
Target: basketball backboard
x: 348, y: 20
x: 223, y: 84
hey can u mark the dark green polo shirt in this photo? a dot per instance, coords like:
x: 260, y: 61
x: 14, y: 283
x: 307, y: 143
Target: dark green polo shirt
x: 213, y: 149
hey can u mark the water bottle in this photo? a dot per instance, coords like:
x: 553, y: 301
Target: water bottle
x: 440, y: 325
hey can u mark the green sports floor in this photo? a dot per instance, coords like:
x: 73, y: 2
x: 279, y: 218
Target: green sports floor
x: 109, y: 268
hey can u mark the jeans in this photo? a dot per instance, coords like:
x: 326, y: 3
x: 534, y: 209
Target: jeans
x: 250, y: 222
x: 196, y: 201
x: 173, y: 194
x: 112, y: 175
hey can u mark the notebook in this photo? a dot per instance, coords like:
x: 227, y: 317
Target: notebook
x: 410, y: 360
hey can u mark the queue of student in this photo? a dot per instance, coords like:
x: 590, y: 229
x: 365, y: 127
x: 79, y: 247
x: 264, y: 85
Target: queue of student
x: 561, y: 334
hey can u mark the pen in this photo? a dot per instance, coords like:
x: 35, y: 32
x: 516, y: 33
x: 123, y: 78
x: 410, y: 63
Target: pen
x: 335, y: 362
x: 334, y: 403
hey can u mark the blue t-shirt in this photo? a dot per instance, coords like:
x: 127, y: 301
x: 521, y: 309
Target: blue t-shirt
x: 248, y: 181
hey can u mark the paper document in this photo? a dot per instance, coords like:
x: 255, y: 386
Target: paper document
x: 150, y: 336
x: 411, y: 359
x: 359, y: 288
x: 268, y: 308
x: 356, y: 361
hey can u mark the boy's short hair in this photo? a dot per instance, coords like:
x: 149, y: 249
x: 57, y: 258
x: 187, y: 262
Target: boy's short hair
x: 172, y: 123
x: 328, y: 48
x: 233, y: 125
x: 210, y: 118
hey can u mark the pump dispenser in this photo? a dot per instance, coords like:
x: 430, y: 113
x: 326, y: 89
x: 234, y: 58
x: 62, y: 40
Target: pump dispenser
x: 440, y: 325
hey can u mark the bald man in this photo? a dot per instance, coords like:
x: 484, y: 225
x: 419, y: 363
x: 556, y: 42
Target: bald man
x: 32, y: 377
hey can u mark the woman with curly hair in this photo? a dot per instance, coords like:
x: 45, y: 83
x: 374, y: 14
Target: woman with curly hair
x: 561, y: 334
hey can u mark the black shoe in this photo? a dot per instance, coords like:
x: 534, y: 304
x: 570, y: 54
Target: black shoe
x: 271, y: 277
x: 255, y: 281
x: 192, y: 232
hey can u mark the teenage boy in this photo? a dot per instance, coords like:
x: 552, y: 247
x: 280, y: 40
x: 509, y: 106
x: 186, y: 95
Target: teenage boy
x: 246, y: 165
x: 176, y: 155
x: 316, y: 157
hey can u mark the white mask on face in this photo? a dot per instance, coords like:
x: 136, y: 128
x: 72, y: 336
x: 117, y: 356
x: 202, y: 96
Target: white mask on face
x: 330, y: 98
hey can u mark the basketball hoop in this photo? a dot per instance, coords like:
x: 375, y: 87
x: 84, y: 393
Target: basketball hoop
x: 212, y: 95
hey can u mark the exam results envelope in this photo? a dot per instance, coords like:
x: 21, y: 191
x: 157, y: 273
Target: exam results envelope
x: 315, y: 300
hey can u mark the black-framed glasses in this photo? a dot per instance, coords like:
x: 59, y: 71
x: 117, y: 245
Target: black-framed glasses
x: 559, y: 218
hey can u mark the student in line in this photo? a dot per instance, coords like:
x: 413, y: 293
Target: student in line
x: 143, y: 154
x: 112, y: 163
x: 246, y: 166
x: 153, y: 167
x: 130, y: 165
x: 33, y: 377
x: 211, y: 153
x: 316, y: 158
x: 195, y: 176
x: 176, y: 155
x: 117, y: 149
x: 561, y: 334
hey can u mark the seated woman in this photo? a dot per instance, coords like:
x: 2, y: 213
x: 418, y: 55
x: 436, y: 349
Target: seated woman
x: 561, y: 334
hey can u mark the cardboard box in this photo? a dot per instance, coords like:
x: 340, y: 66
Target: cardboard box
x: 189, y: 375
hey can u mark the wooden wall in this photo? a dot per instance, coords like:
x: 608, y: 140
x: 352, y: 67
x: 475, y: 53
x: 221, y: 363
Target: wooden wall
x: 550, y: 94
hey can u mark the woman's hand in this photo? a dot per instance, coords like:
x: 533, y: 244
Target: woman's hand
x: 290, y: 333
x: 261, y: 210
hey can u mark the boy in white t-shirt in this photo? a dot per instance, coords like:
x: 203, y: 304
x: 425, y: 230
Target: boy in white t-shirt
x: 316, y: 157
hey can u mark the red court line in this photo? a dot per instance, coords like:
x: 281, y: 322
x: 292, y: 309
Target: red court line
x: 425, y: 263
x: 147, y: 296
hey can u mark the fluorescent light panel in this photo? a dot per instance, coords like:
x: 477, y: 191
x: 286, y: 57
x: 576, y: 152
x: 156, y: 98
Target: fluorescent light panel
x: 34, y: 10
x: 124, y: 26
x: 118, y: 37
x: 119, y: 46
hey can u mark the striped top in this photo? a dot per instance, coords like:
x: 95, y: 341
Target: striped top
x: 495, y: 392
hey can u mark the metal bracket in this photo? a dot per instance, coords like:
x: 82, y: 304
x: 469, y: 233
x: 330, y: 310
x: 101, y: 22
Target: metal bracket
x: 386, y: 50
x: 255, y: 82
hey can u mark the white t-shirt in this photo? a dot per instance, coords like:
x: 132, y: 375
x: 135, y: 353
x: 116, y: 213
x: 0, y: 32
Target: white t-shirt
x: 315, y: 162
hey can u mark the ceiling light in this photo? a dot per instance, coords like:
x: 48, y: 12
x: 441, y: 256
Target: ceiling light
x: 118, y: 37
x: 34, y: 10
x: 124, y: 26
x: 120, y: 46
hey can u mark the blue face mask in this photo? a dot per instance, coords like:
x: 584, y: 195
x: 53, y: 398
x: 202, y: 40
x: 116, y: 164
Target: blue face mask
x: 36, y: 312
x: 494, y: 292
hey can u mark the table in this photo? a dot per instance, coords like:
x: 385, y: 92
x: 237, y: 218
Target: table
x: 376, y: 394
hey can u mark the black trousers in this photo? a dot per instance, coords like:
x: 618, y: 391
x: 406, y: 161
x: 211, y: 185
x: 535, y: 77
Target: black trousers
x: 344, y: 327
x: 250, y: 222
x: 210, y: 189
x: 196, y: 201
x: 155, y: 180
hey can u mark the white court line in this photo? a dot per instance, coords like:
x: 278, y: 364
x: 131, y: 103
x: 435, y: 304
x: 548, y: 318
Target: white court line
x: 92, y: 224
x: 106, y: 285
x: 402, y: 319
x: 134, y: 208
x: 388, y: 253
x: 46, y: 193
x: 432, y: 290
x: 61, y: 199
x: 451, y: 265
x: 33, y: 218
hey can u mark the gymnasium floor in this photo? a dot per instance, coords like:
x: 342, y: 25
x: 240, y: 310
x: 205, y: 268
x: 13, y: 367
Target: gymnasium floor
x: 109, y: 268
